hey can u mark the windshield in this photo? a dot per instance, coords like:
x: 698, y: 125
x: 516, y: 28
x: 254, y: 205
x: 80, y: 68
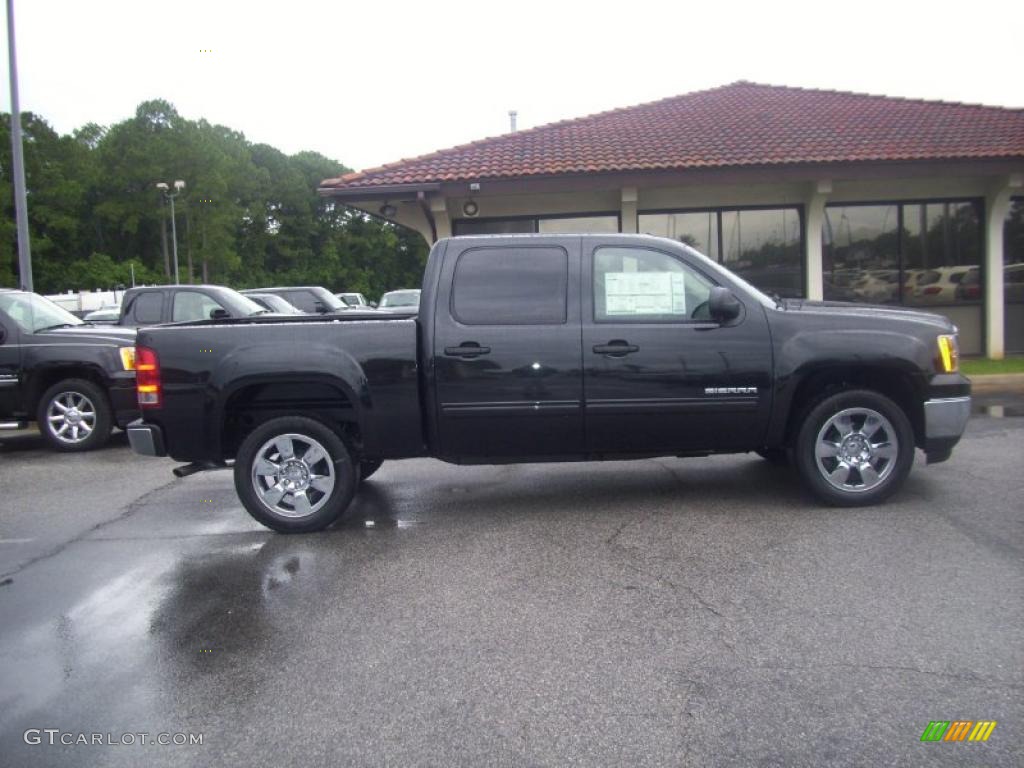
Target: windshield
x: 400, y: 299
x: 240, y: 306
x: 32, y: 313
x: 332, y: 302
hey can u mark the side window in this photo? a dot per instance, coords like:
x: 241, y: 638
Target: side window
x: 148, y: 308
x: 191, y: 305
x: 304, y: 300
x: 511, y: 286
x: 641, y: 285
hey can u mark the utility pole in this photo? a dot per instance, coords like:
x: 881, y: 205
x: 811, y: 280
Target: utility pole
x: 20, y: 198
x: 165, y: 188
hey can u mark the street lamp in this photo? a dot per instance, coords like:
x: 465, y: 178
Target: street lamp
x: 178, y: 186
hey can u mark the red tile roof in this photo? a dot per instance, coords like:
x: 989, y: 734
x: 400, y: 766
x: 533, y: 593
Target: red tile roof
x: 739, y: 124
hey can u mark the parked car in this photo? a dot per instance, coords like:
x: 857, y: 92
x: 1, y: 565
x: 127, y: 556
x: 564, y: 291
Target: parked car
x: 105, y: 316
x: 75, y: 380
x: 355, y: 300
x: 405, y: 301
x: 554, y: 348
x: 274, y: 303
x: 934, y: 286
x: 312, y: 299
x: 157, y: 304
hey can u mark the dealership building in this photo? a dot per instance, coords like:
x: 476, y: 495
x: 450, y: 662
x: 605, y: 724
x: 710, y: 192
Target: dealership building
x: 805, y: 193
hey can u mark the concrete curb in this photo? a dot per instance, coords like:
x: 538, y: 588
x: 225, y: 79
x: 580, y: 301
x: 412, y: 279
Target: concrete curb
x: 995, y: 383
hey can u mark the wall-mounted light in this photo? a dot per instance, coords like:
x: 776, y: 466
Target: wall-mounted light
x: 470, y: 208
x: 388, y: 211
x: 474, y: 187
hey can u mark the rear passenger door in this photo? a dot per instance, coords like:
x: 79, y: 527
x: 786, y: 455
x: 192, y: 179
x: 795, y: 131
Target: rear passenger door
x: 507, y: 349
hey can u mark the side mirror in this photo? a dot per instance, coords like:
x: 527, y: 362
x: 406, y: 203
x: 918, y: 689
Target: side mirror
x: 320, y: 307
x: 723, y: 306
x: 3, y: 334
x: 373, y: 304
x: 219, y: 313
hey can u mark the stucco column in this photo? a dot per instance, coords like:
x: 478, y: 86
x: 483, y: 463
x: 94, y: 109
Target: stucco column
x: 443, y: 223
x: 814, y: 212
x: 997, y: 206
x: 628, y: 215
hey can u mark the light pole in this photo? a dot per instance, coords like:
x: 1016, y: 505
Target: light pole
x: 18, y: 163
x: 178, y: 186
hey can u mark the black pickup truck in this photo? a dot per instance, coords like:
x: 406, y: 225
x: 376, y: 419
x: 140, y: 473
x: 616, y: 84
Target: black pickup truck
x: 553, y: 348
x: 155, y: 304
x: 76, y: 380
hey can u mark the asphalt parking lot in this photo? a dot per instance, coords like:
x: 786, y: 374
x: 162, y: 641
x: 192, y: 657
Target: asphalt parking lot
x: 659, y: 612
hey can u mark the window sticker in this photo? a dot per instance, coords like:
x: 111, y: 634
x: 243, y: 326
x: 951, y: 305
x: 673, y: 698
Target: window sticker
x: 645, y: 293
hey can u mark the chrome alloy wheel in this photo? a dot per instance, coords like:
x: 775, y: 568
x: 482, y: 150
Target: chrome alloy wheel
x: 70, y: 417
x: 856, y: 450
x: 293, y: 475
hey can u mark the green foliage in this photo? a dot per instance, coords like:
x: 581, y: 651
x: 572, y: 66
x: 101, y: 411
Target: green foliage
x: 250, y: 215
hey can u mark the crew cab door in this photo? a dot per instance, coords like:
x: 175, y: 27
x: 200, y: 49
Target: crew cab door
x: 10, y: 367
x: 506, y: 354
x: 658, y: 374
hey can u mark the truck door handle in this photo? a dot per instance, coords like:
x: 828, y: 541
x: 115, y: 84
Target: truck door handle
x: 616, y: 348
x: 467, y: 349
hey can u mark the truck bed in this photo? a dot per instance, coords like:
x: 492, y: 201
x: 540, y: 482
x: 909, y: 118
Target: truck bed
x: 229, y: 374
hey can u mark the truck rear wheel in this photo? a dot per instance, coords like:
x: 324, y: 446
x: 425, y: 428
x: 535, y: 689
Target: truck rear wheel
x: 854, y: 448
x: 75, y: 415
x: 295, y: 475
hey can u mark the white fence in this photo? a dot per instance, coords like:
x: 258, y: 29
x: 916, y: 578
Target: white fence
x: 86, y: 301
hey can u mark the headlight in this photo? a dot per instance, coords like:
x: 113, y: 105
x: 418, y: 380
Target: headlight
x: 128, y: 358
x: 948, y: 359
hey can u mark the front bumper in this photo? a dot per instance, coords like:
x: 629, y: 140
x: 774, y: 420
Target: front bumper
x: 146, y: 439
x: 945, y: 419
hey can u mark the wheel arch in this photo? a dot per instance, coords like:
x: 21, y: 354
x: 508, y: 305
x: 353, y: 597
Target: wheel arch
x: 900, y: 382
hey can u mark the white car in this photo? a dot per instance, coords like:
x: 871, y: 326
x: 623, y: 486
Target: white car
x: 934, y: 286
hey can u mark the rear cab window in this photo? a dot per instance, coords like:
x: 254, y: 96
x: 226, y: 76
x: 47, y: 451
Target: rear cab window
x: 511, y: 286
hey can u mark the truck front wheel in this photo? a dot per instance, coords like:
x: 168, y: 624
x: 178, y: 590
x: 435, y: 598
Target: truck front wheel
x: 295, y: 475
x: 75, y: 415
x: 854, y: 448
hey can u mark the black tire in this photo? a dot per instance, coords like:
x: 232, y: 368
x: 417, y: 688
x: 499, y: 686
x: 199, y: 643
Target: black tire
x: 334, y: 502
x: 83, y: 394
x: 778, y: 457
x: 890, y: 472
x: 367, y: 468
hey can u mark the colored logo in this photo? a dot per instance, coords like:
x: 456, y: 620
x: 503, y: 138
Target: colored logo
x: 958, y: 730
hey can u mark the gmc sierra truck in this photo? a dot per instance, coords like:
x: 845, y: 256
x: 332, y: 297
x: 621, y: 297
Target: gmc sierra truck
x: 553, y: 348
x: 75, y: 380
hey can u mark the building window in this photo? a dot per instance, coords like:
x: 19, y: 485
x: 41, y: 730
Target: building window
x: 941, y: 245
x: 861, y: 253
x: 911, y: 253
x: 511, y: 286
x: 915, y: 254
x: 1013, y: 277
x: 763, y: 245
x: 579, y: 225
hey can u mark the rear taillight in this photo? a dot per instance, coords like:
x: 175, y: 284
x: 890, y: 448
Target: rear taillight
x: 931, y: 290
x: 147, y: 377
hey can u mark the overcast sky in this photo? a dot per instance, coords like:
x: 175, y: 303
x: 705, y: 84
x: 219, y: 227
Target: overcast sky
x: 373, y: 82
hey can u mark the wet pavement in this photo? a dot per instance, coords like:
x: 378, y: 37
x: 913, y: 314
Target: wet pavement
x: 660, y: 612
